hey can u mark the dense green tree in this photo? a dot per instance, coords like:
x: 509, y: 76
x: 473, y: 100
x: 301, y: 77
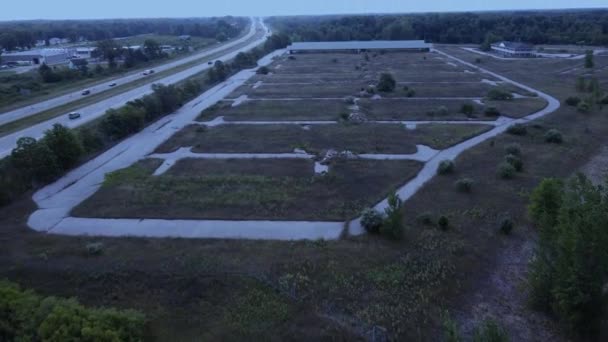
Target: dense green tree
x: 152, y: 49
x: 35, y: 160
x: 64, y: 144
x: 570, y: 268
x: 387, y: 83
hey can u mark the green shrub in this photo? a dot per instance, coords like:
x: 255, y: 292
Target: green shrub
x: 513, y: 148
x: 410, y: 93
x: 392, y: 227
x: 490, y: 331
x: 554, y: 136
x: 465, y: 185
x: 94, y: 248
x: 517, y: 129
x: 506, y: 170
x: 467, y: 109
x: 583, y: 107
x: 26, y: 316
x: 573, y: 101
x: 498, y: 94
x: 506, y: 226
x: 491, y: 111
x: 425, y: 218
x: 515, y: 161
x: 445, y: 167
x: 387, y: 83
x: 371, y: 220
x: 444, y: 223
x: 442, y: 111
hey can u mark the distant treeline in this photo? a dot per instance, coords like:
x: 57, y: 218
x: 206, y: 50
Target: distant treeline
x: 538, y: 27
x: 24, y: 34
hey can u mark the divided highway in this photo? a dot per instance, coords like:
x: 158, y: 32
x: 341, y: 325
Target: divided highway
x: 94, y: 111
x: 36, y: 108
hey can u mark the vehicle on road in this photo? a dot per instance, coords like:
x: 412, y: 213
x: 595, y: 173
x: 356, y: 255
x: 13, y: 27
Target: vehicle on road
x: 148, y: 72
x: 113, y: 84
x: 86, y: 92
x: 74, y: 116
x: 210, y: 63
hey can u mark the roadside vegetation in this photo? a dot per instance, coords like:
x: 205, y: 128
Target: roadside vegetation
x: 27, y: 316
x: 36, y: 163
x: 114, y: 59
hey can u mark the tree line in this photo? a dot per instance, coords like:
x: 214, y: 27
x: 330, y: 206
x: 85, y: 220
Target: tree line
x: 24, y: 34
x: 537, y: 27
x: 35, y: 163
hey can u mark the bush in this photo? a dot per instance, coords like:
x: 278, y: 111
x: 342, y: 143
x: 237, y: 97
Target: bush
x: 513, y: 148
x: 506, y: 226
x: 94, y: 248
x: 498, y: 94
x: 464, y: 185
x: 425, y: 218
x: 26, y: 316
x: 387, y: 83
x: 490, y: 331
x: 515, y: 161
x: 517, y: 129
x: 506, y: 170
x: 491, y: 111
x: 467, y: 109
x: 478, y: 60
x: 371, y: 220
x: 263, y: 71
x: 410, y: 93
x: 573, y: 101
x: 444, y: 223
x: 583, y: 107
x: 392, y: 227
x: 553, y: 136
x: 445, y: 167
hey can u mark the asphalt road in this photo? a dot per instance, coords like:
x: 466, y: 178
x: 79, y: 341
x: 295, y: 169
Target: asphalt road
x: 97, y: 88
x: 94, y: 111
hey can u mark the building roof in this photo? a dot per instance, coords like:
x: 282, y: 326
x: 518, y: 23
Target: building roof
x: 361, y: 45
x: 513, y: 45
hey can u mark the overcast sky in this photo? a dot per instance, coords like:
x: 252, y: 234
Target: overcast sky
x: 73, y: 9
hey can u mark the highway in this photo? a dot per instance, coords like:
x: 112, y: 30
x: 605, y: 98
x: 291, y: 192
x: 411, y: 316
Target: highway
x: 94, y: 111
x: 97, y: 88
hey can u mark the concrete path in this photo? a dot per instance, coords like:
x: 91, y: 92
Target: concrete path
x: 57, y: 200
x: 430, y: 168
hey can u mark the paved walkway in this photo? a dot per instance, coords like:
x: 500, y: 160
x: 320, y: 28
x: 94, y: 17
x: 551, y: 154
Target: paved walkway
x: 57, y: 200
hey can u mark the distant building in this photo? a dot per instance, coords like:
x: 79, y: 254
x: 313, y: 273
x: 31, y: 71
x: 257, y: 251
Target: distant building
x: 37, y: 57
x: 512, y: 49
x: 84, y: 52
x: 360, y: 46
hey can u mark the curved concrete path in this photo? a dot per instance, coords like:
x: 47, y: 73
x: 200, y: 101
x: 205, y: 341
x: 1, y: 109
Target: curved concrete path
x: 430, y: 168
x: 57, y: 200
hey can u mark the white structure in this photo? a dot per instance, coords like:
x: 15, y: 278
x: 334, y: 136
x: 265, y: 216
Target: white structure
x: 360, y: 46
x: 36, y: 57
x: 511, y: 49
